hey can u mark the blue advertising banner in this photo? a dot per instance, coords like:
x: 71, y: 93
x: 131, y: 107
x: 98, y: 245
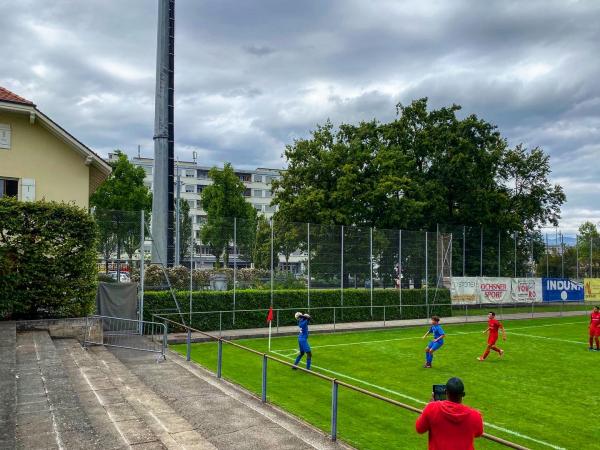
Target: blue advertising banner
x: 561, y: 289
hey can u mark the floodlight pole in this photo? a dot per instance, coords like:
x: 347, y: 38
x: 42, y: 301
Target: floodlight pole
x: 177, y: 218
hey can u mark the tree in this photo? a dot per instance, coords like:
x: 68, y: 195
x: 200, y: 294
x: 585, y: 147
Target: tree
x: 119, y: 201
x: 261, y: 250
x: 222, y: 201
x: 426, y: 167
x: 589, y: 244
x: 185, y: 229
x: 286, y: 236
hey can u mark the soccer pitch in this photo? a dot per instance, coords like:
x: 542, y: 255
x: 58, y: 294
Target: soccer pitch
x: 541, y: 394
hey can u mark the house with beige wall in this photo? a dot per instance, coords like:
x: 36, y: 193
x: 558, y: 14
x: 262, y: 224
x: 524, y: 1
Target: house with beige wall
x: 41, y: 160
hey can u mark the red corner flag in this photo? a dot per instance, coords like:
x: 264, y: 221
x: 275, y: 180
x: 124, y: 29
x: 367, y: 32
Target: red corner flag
x: 270, y: 315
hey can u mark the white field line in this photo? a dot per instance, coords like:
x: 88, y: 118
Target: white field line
x: 509, y: 330
x: 550, y: 338
x: 421, y: 402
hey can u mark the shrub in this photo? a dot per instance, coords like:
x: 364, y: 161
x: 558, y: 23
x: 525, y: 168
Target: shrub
x: 47, y: 259
x: 413, y: 306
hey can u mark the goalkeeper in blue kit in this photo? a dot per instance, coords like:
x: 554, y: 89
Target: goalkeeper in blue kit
x: 303, y: 320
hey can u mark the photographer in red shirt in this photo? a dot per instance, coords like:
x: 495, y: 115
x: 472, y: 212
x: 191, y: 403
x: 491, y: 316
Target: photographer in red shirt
x: 451, y: 425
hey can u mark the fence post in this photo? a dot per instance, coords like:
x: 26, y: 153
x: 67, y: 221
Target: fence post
x: 342, y: 268
x: 464, y: 249
x: 384, y: 315
x: 142, y: 239
x: 426, y: 277
x: 165, y: 342
x: 371, y: 255
x: 481, y: 251
x: 499, y: 250
x: 334, y: 407
x: 219, y: 358
x: 234, y: 264
x: 264, y: 379
x: 277, y: 315
x: 334, y: 309
x: 189, y: 344
x: 308, y: 263
x: 220, y: 323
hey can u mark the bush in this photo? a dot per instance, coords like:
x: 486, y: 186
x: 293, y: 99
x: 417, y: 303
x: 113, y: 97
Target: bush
x: 413, y: 306
x: 47, y: 259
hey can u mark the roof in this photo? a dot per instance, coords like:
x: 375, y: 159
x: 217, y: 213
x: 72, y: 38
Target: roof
x: 8, y: 96
x: 14, y: 103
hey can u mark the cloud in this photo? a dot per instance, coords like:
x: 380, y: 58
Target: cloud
x: 253, y: 76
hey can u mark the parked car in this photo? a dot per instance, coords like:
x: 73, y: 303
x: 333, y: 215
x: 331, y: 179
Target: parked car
x: 124, y: 277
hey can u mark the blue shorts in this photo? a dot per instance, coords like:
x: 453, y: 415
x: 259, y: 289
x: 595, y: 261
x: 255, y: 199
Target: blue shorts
x: 435, y: 345
x: 303, y: 344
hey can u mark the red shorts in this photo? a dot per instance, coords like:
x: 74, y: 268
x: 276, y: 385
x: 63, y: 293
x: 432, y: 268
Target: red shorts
x: 492, y: 338
x: 594, y: 331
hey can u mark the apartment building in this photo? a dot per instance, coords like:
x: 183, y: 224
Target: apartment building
x: 194, y: 178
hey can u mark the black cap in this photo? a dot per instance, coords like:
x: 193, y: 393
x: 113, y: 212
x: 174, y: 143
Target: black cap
x: 455, y: 387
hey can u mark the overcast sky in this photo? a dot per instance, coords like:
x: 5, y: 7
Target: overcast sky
x: 253, y: 75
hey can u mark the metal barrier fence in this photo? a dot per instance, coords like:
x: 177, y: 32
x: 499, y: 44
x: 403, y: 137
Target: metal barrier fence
x: 383, y: 315
x: 335, y: 383
x: 126, y: 333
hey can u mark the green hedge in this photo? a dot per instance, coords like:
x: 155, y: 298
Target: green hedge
x: 413, y: 306
x: 47, y: 260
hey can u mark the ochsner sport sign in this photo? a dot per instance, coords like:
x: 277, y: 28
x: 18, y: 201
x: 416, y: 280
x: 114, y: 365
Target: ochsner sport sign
x: 475, y: 290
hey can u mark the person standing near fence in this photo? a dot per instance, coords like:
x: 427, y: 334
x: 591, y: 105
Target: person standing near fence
x: 492, y: 329
x: 436, y: 343
x: 595, y: 329
x: 303, y: 321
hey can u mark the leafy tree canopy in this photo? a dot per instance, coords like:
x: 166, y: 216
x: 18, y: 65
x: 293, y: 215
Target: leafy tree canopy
x: 424, y: 168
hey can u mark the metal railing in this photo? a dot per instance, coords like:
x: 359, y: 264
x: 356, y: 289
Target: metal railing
x: 130, y: 334
x: 335, y: 383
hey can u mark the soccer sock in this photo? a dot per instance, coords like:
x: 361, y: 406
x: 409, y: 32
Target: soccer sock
x: 298, y: 358
x: 429, y: 357
x: 591, y: 342
x: 597, y: 342
x: 486, y: 353
x: 308, y: 361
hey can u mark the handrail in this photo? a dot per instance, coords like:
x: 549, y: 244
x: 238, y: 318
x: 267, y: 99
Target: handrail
x: 335, y: 381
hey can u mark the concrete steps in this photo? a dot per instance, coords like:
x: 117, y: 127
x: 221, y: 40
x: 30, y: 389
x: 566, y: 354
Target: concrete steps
x: 134, y: 409
x: 8, y: 385
x: 49, y: 413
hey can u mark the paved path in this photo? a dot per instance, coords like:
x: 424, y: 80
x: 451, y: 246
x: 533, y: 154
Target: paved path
x: 179, y: 338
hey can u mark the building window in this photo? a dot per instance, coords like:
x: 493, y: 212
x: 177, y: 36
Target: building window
x: 244, y: 177
x: 190, y: 173
x: 270, y: 209
x: 268, y: 193
x: 258, y: 178
x: 248, y: 192
x: 148, y: 170
x: 257, y: 192
x: 9, y: 188
x: 271, y: 178
x: 192, y: 203
x: 5, y: 136
x: 202, y: 174
x: 200, y: 219
x: 258, y: 207
x: 190, y: 188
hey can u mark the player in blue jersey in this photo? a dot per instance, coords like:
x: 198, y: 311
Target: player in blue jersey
x: 303, y: 320
x: 436, y: 343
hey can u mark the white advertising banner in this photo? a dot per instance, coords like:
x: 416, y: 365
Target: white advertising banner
x: 526, y: 290
x: 477, y: 290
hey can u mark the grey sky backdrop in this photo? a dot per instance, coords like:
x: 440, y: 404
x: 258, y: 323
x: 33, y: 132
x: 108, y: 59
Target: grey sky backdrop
x: 253, y: 75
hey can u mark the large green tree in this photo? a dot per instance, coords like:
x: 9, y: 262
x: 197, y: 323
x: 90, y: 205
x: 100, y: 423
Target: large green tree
x: 118, y: 202
x: 426, y: 167
x: 223, y: 201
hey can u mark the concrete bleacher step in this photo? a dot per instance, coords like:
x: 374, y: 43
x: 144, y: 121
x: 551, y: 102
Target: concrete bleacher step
x: 8, y: 385
x: 49, y: 413
x: 133, y: 409
x: 226, y: 416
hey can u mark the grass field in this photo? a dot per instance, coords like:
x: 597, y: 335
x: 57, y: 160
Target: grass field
x: 541, y: 394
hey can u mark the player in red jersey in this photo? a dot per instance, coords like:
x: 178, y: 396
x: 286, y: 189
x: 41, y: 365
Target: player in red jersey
x: 493, y: 327
x: 595, y: 329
